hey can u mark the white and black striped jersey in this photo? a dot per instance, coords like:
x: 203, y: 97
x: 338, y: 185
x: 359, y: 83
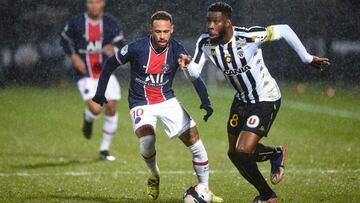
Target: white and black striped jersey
x: 241, y: 61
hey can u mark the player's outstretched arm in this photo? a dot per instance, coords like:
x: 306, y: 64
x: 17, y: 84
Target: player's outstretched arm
x: 285, y: 32
x: 109, y: 66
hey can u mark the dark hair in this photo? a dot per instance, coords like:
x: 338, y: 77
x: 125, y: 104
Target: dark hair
x: 161, y: 15
x: 222, y: 7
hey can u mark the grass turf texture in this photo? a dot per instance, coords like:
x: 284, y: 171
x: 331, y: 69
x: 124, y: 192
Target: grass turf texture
x: 45, y: 158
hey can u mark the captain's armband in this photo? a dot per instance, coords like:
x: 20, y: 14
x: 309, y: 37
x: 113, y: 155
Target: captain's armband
x: 270, y: 34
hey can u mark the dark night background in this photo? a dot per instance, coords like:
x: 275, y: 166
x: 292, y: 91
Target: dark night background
x: 30, y: 52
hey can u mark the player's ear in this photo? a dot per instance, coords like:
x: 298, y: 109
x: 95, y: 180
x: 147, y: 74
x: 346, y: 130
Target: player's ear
x: 172, y: 29
x: 228, y: 22
x: 150, y: 28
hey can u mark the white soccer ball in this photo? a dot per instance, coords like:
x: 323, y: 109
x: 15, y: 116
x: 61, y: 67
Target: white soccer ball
x: 197, y: 194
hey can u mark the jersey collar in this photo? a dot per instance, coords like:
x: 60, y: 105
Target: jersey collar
x: 150, y: 42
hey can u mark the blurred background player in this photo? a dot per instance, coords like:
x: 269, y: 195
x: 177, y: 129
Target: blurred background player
x: 236, y: 52
x: 89, y: 39
x: 154, y: 62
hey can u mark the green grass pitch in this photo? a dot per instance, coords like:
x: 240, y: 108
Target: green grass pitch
x: 45, y: 158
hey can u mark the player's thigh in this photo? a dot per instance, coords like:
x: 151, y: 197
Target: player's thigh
x: 113, y: 90
x: 174, y: 118
x: 236, y: 119
x: 143, y: 116
x: 247, y: 142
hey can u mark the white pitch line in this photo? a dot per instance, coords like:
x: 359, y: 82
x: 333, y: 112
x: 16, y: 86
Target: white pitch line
x: 322, y: 109
x: 117, y: 173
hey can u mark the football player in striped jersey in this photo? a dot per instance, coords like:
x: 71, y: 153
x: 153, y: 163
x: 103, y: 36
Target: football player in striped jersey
x: 154, y: 61
x: 236, y: 51
x: 89, y: 39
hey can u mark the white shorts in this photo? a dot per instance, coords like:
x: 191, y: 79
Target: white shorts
x: 87, y: 87
x: 173, y: 117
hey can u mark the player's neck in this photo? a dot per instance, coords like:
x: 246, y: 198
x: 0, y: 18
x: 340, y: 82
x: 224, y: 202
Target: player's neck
x: 156, y: 48
x: 228, y: 36
x: 94, y: 18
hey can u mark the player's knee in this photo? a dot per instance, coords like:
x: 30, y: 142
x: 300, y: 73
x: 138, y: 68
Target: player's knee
x: 147, y: 146
x: 194, y: 136
x: 244, y: 149
x: 110, y: 109
x: 239, y: 157
x: 94, y: 108
x: 190, y: 136
x: 144, y: 131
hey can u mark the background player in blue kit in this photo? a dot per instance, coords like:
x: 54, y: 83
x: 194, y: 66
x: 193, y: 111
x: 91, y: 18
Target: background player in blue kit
x: 89, y: 39
x: 236, y: 52
x: 154, y: 62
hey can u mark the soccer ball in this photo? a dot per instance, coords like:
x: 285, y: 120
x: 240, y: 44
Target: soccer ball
x: 197, y: 194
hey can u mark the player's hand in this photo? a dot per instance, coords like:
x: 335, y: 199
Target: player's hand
x: 78, y: 63
x: 108, y: 50
x: 209, y: 111
x: 184, y: 61
x: 100, y: 100
x: 320, y: 63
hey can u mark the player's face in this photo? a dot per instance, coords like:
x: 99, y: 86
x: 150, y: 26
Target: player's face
x: 217, y: 23
x: 161, y: 31
x: 95, y: 8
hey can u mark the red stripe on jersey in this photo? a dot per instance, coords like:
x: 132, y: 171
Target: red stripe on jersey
x: 94, y: 32
x: 201, y: 163
x: 154, y: 94
x: 94, y: 59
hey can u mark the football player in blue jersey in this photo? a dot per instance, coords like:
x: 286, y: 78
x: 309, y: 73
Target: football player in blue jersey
x: 154, y: 60
x: 89, y: 39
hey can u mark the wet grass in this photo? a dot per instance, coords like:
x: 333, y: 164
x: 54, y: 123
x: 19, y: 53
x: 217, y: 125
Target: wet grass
x: 44, y: 157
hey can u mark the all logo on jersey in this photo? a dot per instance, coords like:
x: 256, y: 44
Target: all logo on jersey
x: 154, y: 80
x: 228, y: 58
x: 124, y: 50
x: 253, y: 121
x: 94, y: 46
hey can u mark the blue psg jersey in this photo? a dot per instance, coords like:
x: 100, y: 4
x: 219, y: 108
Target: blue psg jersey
x: 83, y: 36
x: 152, y: 73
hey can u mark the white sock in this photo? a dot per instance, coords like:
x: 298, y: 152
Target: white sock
x: 200, y: 162
x: 148, y: 151
x: 89, y: 116
x: 109, y: 130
